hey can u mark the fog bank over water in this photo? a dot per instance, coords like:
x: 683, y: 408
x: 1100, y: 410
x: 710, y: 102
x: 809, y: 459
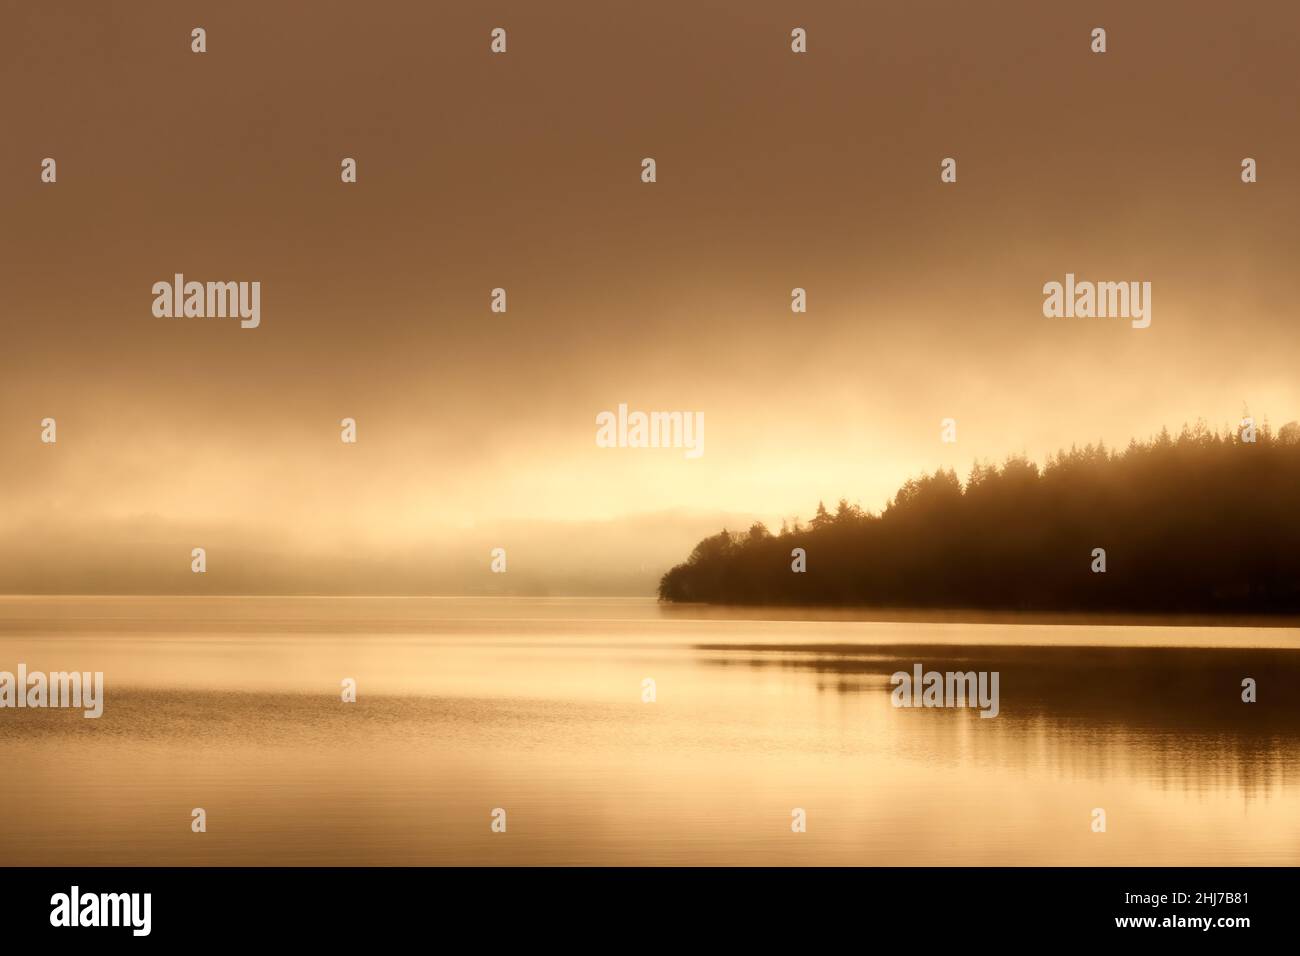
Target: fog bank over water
x: 150, y: 555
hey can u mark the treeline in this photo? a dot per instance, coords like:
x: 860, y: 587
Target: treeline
x: 1203, y: 522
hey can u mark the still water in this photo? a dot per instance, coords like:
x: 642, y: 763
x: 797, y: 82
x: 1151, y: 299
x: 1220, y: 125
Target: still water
x: 535, y: 706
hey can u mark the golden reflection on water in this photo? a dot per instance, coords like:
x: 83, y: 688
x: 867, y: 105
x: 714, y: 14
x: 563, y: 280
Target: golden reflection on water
x: 233, y: 705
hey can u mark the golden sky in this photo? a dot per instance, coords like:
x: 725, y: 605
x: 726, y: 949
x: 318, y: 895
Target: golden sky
x: 522, y: 171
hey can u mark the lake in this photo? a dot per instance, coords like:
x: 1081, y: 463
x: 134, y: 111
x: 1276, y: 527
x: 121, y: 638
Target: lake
x: 535, y: 706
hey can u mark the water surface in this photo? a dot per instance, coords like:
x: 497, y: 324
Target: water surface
x: 535, y: 706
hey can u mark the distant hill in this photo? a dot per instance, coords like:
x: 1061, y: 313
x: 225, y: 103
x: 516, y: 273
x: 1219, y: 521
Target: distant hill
x: 1205, y: 522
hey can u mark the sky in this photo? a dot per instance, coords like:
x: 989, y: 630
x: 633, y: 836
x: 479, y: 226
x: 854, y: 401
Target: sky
x: 522, y: 171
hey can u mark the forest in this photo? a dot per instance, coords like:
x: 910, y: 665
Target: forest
x: 1203, y: 522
